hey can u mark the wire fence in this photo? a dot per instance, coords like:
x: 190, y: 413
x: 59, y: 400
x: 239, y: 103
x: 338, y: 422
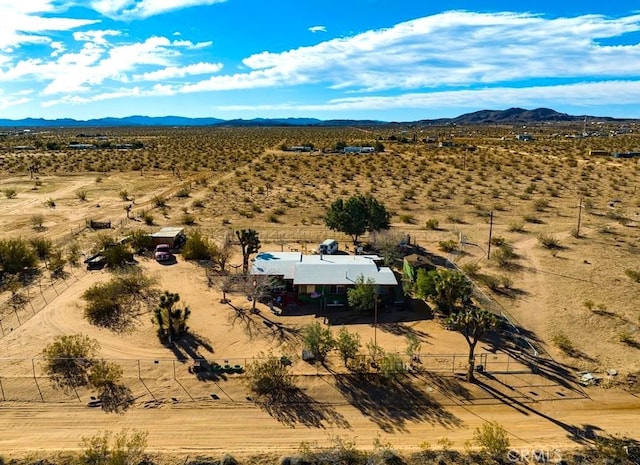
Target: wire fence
x: 17, y: 309
x: 27, y: 380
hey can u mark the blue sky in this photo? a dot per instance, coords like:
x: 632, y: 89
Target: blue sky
x: 397, y: 60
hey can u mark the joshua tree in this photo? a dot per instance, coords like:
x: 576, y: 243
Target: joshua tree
x: 250, y: 243
x: 472, y: 323
x: 172, y: 322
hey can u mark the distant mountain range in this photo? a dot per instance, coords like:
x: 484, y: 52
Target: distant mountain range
x: 509, y: 116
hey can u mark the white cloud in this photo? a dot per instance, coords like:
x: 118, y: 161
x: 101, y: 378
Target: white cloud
x: 172, y: 72
x: 318, y: 29
x: 26, y: 21
x: 580, y: 94
x: 460, y: 48
x: 140, y: 9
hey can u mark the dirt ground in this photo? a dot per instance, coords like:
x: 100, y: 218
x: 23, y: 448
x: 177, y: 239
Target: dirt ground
x: 546, y: 409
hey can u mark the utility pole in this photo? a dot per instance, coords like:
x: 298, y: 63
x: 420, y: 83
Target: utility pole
x: 579, y: 217
x: 375, y: 319
x: 490, y: 232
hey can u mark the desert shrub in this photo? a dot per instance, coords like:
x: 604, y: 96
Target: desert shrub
x: 10, y: 193
x: 147, y: 217
x: 633, y: 274
x: 140, y: 239
x: 188, y: 219
x: 506, y: 281
x: 562, y: 342
x: 492, y: 439
x: 517, y: 226
x: 117, y: 255
x: 455, y: 219
x: 504, y: 256
x: 37, y: 221
x: 42, y: 247
x: 198, y: 203
x: 183, y: 192
x: 491, y: 281
x: 268, y: 377
x: 471, y: 269
x: 432, y: 224
x: 392, y: 366
x: 118, y: 302
x: 198, y: 247
x: 548, y: 241
x: 448, y: 246
x: 158, y: 201
x: 540, y: 205
x: 626, y: 337
x: 124, y: 195
x: 532, y: 219
x: 107, y: 448
x: 68, y: 359
x: 81, y: 194
x: 498, y: 241
x: 617, y: 449
x: 407, y: 218
x: 50, y: 203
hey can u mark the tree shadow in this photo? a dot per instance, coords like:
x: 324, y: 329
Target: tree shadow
x: 391, y: 404
x: 294, y: 407
x: 581, y: 434
x: 447, y: 385
x: 189, y: 346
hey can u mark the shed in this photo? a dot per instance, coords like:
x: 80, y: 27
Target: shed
x: 412, y: 263
x: 173, y: 236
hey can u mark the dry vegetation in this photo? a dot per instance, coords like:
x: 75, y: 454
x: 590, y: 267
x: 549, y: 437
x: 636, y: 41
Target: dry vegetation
x: 573, y: 290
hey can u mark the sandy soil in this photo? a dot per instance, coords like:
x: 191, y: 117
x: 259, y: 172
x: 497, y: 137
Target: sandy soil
x: 181, y: 415
x: 185, y: 414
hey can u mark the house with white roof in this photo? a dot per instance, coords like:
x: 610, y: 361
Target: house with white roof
x: 325, y: 277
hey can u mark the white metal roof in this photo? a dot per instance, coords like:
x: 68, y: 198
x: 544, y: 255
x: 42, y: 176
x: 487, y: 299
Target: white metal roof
x: 168, y: 231
x: 322, y: 269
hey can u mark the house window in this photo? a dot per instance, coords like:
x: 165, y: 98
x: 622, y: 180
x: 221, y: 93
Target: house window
x: 307, y: 288
x: 337, y: 289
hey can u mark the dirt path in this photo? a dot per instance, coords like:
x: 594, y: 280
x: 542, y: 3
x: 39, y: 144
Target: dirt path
x: 244, y: 428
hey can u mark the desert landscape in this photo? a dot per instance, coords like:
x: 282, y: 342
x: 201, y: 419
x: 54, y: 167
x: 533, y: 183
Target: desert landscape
x: 547, y: 230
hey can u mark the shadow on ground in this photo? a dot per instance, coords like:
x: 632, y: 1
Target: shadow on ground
x: 293, y: 407
x: 391, y: 404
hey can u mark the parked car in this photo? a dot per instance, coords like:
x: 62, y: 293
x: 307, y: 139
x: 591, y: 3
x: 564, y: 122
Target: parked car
x: 163, y: 252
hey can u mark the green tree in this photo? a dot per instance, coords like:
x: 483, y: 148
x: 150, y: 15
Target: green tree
x: 392, y: 366
x: 413, y: 346
x: 357, y: 215
x: 114, y: 449
x: 16, y: 256
x: 473, y: 323
x: 106, y: 377
x: 141, y: 240
x: 68, y: 360
x: 347, y: 344
x: 118, y: 302
x: 117, y: 255
x: 268, y: 377
x: 447, y: 288
x: 42, y: 247
x: 362, y: 297
x: 172, y: 322
x: 318, y: 339
x: 250, y: 243
x: 198, y: 247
